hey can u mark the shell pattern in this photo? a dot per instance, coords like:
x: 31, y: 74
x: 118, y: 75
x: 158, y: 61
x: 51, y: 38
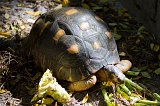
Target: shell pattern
x: 73, y: 42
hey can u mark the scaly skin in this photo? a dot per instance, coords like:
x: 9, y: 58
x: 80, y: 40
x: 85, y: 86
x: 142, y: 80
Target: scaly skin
x: 83, y: 84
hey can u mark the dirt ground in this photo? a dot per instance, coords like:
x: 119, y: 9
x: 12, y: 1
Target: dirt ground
x: 20, y: 76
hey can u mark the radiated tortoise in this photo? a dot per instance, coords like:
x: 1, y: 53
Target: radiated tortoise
x: 77, y: 46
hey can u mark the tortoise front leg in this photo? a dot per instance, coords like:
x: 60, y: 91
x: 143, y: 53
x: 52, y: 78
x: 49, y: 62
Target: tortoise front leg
x: 83, y: 84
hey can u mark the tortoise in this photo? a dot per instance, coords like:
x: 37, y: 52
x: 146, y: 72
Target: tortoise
x: 77, y: 46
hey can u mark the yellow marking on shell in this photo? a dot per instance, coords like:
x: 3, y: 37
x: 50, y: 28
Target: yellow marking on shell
x: 37, y: 22
x: 96, y: 45
x: 71, y: 11
x: 59, y: 71
x: 109, y: 34
x: 43, y: 60
x: 73, y: 49
x: 99, y: 19
x: 70, y: 77
x: 59, y: 34
x: 84, y: 25
x: 45, y: 25
x: 60, y: 57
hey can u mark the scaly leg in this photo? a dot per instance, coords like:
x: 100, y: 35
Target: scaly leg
x: 83, y: 84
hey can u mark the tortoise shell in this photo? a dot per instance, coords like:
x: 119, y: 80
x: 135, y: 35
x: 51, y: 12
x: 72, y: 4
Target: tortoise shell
x: 73, y: 42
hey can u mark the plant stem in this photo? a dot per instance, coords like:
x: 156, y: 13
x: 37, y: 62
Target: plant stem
x: 149, y: 102
x: 106, y: 98
x: 134, y: 84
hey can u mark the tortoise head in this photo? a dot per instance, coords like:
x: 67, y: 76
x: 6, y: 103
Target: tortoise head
x: 114, y: 73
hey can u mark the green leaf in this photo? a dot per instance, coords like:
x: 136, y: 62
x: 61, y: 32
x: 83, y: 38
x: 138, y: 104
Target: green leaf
x: 93, y: 4
x: 97, y: 8
x: 156, y: 48
x: 104, y: 1
x: 132, y: 73
x: 157, y: 71
x: 112, y: 24
x: 125, y: 89
x: 152, y: 46
x: 156, y: 96
x: 140, y: 104
x: 135, y: 85
x: 85, y: 6
x: 145, y: 74
x: 35, y: 98
x: 143, y: 68
x: 116, y: 36
x: 136, y: 69
x: 148, y: 102
x: 140, y: 30
x: 106, y: 98
x: 123, y: 25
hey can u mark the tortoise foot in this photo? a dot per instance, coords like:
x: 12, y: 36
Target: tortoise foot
x: 83, y: 84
